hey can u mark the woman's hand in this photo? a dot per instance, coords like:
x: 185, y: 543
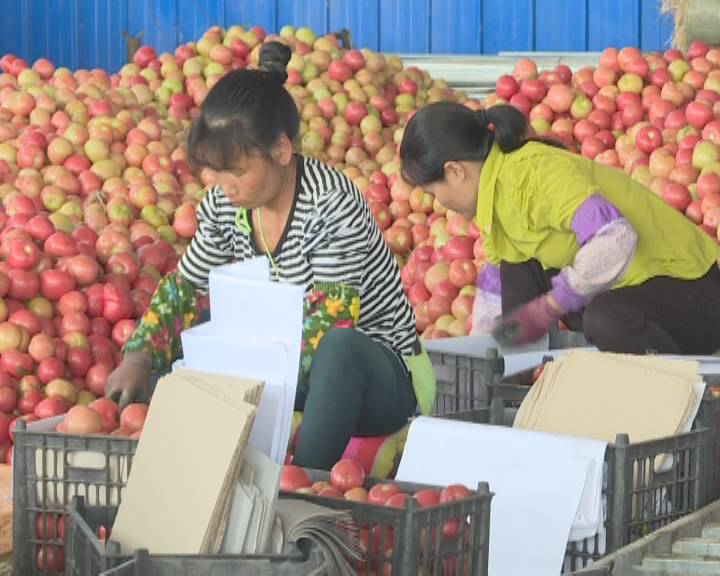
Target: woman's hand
x: 529, y: 323
x: 130, y: 381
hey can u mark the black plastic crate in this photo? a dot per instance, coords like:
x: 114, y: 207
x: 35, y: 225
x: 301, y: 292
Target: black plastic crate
x: 637, y: 499
x: 410, y: 541
x: 87, y: 555
x: 48, y: 470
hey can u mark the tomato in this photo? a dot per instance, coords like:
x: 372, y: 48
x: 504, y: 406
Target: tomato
x: 84, y: 268
x: 331, y: 493
x: 51, y: 368
x: 451, y: 528
x: 117, y: 303
x: 95, y: 298
x: 27, y: 320
x: 50, y: 558
x: 96, y: 378
x: 380, y: 493
x: 358, y: 494
x: 74, y: 321
x: 5, y: 420
x: 16, y: 363
x: 107, y: 410
x: 427, y: 497
x: 397, y: 500
x: 8, y: 403
x: 82, y: 420
x: 79, y: 361
x: 24, y: 284
x: 346, y: 474
x: 133, y: 416
x: 73, y: 301
x: 60, y: 244
x: 45, y: 526
x: 122, y: 431
x: 55, y: 283
x: 293, y: 477
x: 28, y: 402
x: 49, y: 407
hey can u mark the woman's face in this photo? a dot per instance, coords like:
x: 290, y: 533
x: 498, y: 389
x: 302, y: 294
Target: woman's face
x: 256, y: 180
x: 250, y: 183
x: 459, y: 188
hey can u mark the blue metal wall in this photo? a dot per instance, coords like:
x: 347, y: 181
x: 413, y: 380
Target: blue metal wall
x: 89, y: 33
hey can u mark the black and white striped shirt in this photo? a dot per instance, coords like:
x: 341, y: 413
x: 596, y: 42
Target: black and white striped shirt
x: 332, y: 237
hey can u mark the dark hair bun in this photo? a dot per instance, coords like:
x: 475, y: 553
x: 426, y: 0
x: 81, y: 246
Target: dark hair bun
x: 274, y: 58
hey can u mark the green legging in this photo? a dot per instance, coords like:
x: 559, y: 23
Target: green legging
x: 357, y: 387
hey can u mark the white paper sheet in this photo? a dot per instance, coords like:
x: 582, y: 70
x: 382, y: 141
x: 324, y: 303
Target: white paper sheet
x: 538, y: 480
x: 478, y: 345
x: 207, y: 349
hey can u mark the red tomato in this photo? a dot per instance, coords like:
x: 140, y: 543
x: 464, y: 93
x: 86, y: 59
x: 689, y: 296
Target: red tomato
x: 397, y: 500
x: 427, y: 497
x: 108, y: 411
x: 133, y: 416
x: 50, y: 559
x: 45, y: 527
x: 346, y: 474
x: 451, y: 528
x: 8, y: 403
x: 49, y: 407
x: 293, y: 477
x: 379, y: 493
x: 5, y: 421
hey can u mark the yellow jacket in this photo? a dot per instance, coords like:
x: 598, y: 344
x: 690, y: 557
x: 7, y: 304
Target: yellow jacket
x: 527, y: 200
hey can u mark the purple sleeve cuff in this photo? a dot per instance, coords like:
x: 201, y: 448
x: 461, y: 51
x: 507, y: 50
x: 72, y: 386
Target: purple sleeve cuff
x: 489, y: 279
x: 591, y: 216
x: 565, y: 297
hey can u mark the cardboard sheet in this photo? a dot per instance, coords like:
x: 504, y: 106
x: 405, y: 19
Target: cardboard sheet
x: 163, y: 509
x: 208, y: 350
x: 597, y: 395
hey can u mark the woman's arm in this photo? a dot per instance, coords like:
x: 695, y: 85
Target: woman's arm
x: 174, y: 305
x: 607, y: 246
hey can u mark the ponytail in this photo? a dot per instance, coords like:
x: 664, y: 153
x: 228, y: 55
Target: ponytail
x: 448, y: 131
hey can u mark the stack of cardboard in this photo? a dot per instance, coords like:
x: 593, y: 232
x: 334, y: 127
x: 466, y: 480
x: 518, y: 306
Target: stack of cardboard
x: 187, y: 464
x: 599, y: 395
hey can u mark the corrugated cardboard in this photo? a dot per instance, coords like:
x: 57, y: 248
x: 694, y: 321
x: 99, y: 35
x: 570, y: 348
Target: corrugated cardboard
x: 187, y: 462
x: 599, y: 395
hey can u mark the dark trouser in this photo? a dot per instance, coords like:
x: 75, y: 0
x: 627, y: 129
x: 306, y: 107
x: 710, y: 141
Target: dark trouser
x: 357, y: 387
x: 665, y: 315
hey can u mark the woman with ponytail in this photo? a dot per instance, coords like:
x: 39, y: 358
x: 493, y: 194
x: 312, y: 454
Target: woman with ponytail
x: 362, y: 371
x: 567, y: 238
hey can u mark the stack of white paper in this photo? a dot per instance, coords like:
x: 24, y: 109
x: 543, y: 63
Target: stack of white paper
x: 255, y: 332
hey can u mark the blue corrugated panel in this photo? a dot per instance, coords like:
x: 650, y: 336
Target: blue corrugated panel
x: 89, y: 33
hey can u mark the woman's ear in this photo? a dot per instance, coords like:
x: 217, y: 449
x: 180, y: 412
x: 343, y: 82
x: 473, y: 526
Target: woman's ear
x: 282, y: 151
x: 455, y: 172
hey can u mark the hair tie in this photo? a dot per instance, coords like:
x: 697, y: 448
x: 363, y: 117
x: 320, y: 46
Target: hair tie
x: 491, y: 127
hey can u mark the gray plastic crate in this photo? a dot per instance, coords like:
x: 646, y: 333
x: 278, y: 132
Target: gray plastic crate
x: 683, y: 547
x: 48, y: 470
x: 409, y: 541
x: 637, y: 498
x: 463, y: 381
x: 86, y: 555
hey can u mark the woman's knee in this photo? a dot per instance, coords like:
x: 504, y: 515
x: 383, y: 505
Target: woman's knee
x: 603, y: 320
x: 337, y: 352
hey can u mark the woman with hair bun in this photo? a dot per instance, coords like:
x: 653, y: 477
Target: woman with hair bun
x: 568, y: 238
x: 363, y: 372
